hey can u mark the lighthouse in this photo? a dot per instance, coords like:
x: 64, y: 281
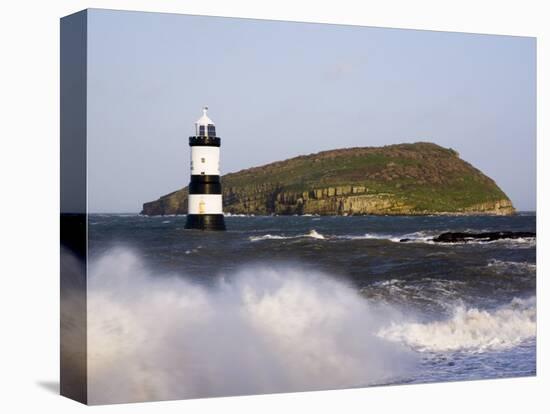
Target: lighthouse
x: 204, y: 204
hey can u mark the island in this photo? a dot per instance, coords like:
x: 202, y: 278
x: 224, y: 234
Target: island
x: 420, y: 178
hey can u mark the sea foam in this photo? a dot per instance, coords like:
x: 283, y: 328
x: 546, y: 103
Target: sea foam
x: 262, y: 329
x: 470, y: 329
x: 313, y: 234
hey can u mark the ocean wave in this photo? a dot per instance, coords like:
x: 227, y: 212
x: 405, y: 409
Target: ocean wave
x: 312, y: 234
x: 427, y: 236
x: 367, y: 236
x: 155, y: 336
x: 522, y: 242
x: 429, y: 294
x: 423, y: 236
x: 269, y: 237
x: 470, y: 329
x: 420, y: 236
x: 504, y: 265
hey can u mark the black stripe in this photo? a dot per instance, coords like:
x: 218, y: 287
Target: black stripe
x: 205, y: 222
x: 204, y: 141
x: 205, y: 188
x: 205, y: 184
x: 205, y: 178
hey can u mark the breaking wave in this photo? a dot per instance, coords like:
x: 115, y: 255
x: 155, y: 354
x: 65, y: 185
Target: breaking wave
x: 470, y: 329
x: 263, y: 329
x: 419, y: 236
x: 312, y: 234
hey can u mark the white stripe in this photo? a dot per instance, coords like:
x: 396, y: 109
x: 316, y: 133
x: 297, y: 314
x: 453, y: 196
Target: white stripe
x: 205, y: 204
x: 205, y: 160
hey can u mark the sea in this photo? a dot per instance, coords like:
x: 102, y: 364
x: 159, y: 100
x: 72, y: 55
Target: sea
x: 292, y: 303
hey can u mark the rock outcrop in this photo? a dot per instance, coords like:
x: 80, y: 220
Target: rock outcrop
x: 465, y: 237
x: 404, y: 179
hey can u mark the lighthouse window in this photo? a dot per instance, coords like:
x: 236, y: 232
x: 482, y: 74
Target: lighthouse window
x: 211, y: 130
x: 203, y: 160
x: 201, y: 130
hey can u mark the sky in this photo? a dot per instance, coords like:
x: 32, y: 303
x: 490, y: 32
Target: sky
x: 281, y: 89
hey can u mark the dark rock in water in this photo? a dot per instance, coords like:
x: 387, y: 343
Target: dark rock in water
x: 458, y: 237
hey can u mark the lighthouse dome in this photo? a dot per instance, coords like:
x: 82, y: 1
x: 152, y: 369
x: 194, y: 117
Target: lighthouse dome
x: 204, y: 126
x: 204, y: 119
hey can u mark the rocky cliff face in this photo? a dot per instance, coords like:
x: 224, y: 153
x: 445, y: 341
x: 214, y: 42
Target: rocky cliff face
x: 420, y: 178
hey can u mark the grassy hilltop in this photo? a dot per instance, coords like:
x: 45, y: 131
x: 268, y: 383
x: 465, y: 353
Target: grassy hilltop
x: 419, y: 178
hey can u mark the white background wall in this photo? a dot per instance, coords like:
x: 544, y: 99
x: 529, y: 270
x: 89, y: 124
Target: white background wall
x: 29, y: 167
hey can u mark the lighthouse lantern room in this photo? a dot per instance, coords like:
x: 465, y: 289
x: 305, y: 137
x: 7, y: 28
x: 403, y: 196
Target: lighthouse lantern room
x: 204, y: 204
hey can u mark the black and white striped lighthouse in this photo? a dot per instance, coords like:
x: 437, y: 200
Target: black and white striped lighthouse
x: 204, y: 204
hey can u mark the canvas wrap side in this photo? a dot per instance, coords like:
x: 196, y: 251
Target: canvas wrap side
x: 73, y: 203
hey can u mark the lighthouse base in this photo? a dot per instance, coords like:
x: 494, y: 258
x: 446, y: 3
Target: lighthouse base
x: 205, y: 222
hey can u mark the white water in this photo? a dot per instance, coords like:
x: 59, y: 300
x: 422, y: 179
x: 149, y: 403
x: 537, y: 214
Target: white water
x: 470, y: 329
x: 312, y: 234
x: 503, y: 265
x: 423, y: 236
x: 270, y: 237
x: 154, y: 336
x: 261, y: 330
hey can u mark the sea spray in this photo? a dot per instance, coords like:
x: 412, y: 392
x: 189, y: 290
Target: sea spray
x: 263, y: 329
x: 470, y: 329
